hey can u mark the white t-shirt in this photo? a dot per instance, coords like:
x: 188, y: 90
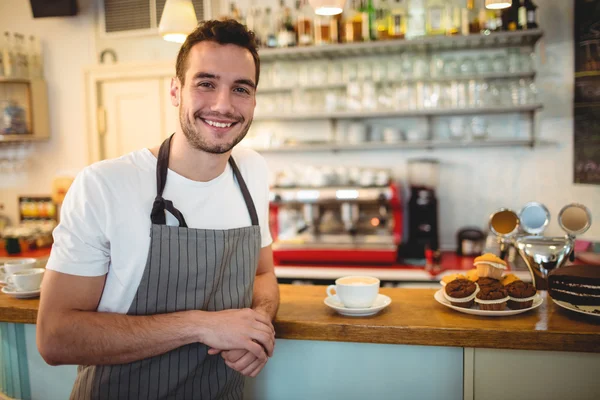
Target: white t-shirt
x: 105, y: 219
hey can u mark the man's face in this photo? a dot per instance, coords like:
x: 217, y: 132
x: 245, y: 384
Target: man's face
x: 218, y: 99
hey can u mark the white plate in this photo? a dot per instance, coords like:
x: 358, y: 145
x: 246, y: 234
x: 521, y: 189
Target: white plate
x: 439, y: 296
x: 578, y: 309
x: 21, y: 295
x: 381, y: 302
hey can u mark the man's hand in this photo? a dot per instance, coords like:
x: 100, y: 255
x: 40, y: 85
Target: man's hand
x: 242, y: 361
x: 244, y: 329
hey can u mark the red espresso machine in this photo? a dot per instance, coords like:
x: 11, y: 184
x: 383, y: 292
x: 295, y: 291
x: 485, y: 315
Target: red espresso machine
x: 345, y: 225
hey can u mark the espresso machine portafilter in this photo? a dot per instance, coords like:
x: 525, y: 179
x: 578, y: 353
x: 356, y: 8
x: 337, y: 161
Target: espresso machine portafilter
x: 524, y: 232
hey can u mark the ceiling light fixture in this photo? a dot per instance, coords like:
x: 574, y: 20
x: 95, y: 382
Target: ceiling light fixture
x: 177, y: 21
x: 327, y: 7
x: 497, y: 4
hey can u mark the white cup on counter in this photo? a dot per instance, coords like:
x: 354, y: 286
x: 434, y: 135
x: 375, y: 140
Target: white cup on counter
x: 12, y: 266
x: 355, y: 291
x: 26, y: 280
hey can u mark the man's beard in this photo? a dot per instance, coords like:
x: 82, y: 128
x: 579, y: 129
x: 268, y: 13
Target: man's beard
x: 198, y: 142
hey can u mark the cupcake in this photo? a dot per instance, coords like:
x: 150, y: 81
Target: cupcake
x: 491, y: 298
x: 449, y: 278
x: 472, y: 274
x: 489, y: 282
x: 489, y: 266
x: 461, y: 292
x: 509, y: 278
x: 520, y: 295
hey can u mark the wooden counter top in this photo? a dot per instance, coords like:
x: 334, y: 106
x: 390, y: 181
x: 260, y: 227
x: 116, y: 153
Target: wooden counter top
x: 413, y: 318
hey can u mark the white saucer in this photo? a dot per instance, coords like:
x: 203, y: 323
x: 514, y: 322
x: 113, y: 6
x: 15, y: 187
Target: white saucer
x: 21, y: 294
x: 381, y: 302
x: 587, y: 310
x: 439, y: 296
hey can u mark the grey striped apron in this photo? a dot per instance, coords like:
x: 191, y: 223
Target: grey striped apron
x: 187, y: 269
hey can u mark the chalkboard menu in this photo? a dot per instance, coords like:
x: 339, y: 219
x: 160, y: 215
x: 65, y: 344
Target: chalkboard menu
x: 587, y: 92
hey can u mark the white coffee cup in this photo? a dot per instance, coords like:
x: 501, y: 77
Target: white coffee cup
x: 12, y: 266
x: 355, y: 291
x: 26, y: 280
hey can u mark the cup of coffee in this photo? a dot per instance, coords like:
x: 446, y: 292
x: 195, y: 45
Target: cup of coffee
x: 355, y: 291
x: 26, y: 280
x: 12, y: 266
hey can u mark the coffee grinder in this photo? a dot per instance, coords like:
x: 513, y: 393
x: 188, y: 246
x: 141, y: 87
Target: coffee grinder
x: 423, y: 179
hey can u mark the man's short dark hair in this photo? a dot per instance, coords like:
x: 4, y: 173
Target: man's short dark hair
x: 223, y: 32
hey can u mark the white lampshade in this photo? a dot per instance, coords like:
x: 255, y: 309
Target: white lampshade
x: 177, y: 21
x: 327, y: 7
x: 497, y: 4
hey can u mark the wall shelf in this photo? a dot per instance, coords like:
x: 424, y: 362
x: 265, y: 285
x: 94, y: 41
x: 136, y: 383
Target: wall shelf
x: 21, y: 138
x: 325, y: 86
x: 429, y: 112
x: 385, y: 47
x: 427, y: 145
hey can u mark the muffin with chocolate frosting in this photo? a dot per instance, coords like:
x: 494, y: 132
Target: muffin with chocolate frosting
x: 492, y: 298
x: 520, y: 295
x: 461, y: 292
x: 489, y: 282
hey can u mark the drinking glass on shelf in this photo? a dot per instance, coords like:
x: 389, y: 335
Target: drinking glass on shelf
x: 479, y: 128
x: 532, y: 96
x: 317, y: 73
x: 420, y: 66
x: 437, y: 66
x: 493, y: 95
x: 303, y: 75
x: 527, y: 62
x: 499, y: 63
x: 364, y: 71
x: 385, y: 97
x: 451, y: 67
x: 407, y: 65
x: 514, y: 60
x: 349, y: 71
x: 335, y: 73
x: 467, y: 66
x: 354, y: 95
x: 400, y: 96
x: 369, y: 95
x: 394, y: 69
x: 483, y: 64
x: 378, y: 70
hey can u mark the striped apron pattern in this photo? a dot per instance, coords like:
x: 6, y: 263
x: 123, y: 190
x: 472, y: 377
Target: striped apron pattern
x: 187, y: 269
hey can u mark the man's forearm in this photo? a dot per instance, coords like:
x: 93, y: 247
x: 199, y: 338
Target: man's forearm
x: 96, y: 338
x: 266, y: 294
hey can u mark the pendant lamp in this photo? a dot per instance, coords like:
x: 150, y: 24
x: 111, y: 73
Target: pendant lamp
x: 177, y: 21
x: 497, y: 4
x: 327, y: 7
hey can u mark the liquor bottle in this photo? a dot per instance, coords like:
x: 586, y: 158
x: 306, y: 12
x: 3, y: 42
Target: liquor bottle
x: 382, y: 19
x: 304, y: 25
x: 35, y: 58
x: 510, y: 17
x: 416, y: 19
x: 353, y: 23
x: 474, y: 24
x: 286, y: 35
x: 269, y: 28
x: 434, y: 18
x: 368, y: 20
x: 452, y: 18
x: 530, y: 8
x: 322, y: 29
x: 397, y: 20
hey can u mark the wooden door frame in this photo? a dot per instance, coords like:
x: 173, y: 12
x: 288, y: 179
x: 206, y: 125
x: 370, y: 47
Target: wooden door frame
x: 95, y: 76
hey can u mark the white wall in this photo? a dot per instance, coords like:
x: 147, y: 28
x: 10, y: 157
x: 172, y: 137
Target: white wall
x: 474, y: 182
x: 68, y: 46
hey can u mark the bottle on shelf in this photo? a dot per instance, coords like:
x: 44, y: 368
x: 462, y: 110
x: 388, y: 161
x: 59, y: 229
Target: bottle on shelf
x: 235, y: 14
x: 435, y: 18
x: 353, y: 23
x: 452, y: 18
x: 2, y: 47
x: 368, y: 20
x: 527, y: 15
x: 286, y: 35
x: 382, y: 19
x: 397, y: 20
x: 35, y: 58
x: 269, y: 29
x: 9, y: 56
x: 304, y: 25
x: 416, y: 19
x: 510, y: 16
x: 322, y: 29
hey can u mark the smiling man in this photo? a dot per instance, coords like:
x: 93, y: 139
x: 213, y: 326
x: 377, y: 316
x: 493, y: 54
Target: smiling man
x: 160, y: 283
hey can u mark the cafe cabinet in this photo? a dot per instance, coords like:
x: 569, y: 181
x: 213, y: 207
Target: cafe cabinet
x: 23, y: 110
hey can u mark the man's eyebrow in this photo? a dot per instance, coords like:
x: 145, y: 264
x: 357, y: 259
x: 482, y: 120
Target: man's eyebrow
x: 246, y: 82
x: 208, y: 75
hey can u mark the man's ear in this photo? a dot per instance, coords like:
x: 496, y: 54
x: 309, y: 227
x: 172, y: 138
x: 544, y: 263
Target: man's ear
x: 175, y: 92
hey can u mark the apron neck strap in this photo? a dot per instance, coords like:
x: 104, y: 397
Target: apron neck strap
x: 245, y: 192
